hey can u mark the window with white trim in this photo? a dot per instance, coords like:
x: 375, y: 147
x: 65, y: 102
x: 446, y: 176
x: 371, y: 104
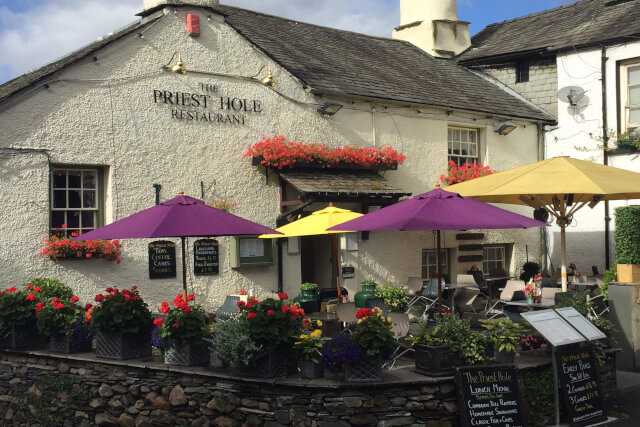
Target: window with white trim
x: 463, y: 145
x: 430, y: 263
x: 75, y: 199
x: 493, y: 258
x: 630, y: 95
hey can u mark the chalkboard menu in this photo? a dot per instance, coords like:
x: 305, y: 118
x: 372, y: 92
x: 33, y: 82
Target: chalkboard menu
x: 162, y: 259
x: 205, y: 259
x: 577, y: 375
x: 489, y: 396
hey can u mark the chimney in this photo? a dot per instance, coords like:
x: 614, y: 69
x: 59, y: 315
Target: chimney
x: 433, y: 26
x: 150, y: 4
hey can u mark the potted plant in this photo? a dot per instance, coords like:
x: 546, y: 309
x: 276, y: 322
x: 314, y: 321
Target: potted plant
x: 272, y: 325
x: 308, y: 345
x: 64, y: 322
x: 338, y: 352
x: 215, y: 361
x: 395, y: 299
x: 373, y: 334
x: 183, y: 328
x: 51, y: 288
x: 308, y: 296
x: 529, y: 269
x: 123, y: 323
x: 529, y: 291
x: 449, y: 343
x: 628, y: 244
x: 18, y: 328
x: 505, y: 335
x: 233, y: 344
x: 368, y: 291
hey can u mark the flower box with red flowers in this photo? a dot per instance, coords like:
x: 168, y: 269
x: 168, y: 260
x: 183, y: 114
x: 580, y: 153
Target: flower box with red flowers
x: 123, y: 324
x: 464, y: 172
x: 59, y: 246
x: 18, y: 318
x: 183, y: 328
x: 64, y: 322
x: 279, y: 153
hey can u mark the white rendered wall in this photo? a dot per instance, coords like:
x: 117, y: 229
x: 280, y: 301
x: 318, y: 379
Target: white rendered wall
x: 579, y: 134
x: 102, y: 113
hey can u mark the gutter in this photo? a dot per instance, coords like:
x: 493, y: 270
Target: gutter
x: 605, y: 143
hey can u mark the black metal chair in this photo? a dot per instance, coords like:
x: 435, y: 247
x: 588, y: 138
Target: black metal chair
x: 228, y: 308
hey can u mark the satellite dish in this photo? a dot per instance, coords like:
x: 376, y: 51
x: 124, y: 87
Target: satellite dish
x: 573, y: 95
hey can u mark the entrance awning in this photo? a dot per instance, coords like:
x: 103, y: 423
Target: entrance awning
x: 358, y: 185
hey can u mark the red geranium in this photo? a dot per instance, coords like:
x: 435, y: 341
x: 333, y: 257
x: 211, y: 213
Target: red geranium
x: 60, y: 246
x: 187, y: 315
x: 283, y: 295
x: 30, y: 297
x: 363, y: 312
x: 251, y: 315
x: 464, y: 172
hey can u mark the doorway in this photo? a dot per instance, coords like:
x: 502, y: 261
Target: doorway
x: 316, y: 261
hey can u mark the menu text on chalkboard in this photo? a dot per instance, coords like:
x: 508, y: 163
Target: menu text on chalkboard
x: 489, y: 396
x: 162, y: 259
x: 577, y: 373
x: 205, y: 257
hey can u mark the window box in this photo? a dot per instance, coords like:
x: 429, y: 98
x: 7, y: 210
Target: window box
x: 257, y: 161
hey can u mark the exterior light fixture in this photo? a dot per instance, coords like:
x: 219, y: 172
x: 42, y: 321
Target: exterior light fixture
x: 178, y: 67
x: 504, y: 128
x: 329, y: 108
x: 269, y: 80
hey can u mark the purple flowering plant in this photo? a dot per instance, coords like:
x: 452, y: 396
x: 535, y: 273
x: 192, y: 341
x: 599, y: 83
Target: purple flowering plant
x: 338, y: 351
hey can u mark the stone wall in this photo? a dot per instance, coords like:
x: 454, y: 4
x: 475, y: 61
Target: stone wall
x: 542, y: 87
x: 45, y: 389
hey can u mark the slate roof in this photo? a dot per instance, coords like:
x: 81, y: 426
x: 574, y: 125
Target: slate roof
x: 339, y: 62
x: 343, y: 183
x: 581, y: 24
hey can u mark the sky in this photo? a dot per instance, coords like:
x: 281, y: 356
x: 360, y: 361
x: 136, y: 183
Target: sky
x: 36, y: 32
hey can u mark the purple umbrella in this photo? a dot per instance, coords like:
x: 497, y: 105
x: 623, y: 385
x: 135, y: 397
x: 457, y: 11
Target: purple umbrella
x: 438, y: 210
x: 182, y: 216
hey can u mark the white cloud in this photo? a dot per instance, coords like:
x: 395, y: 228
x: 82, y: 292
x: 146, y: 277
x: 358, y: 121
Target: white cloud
x: 54, y: 28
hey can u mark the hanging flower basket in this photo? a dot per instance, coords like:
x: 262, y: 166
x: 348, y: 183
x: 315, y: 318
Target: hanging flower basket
x: 279, y: 153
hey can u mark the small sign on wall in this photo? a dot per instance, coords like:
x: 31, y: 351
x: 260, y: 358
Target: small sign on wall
x: 348, y: 272
x: 162, y: 259
x: 205, y: 257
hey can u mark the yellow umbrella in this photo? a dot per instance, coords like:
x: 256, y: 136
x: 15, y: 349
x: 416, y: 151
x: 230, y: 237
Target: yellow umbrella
x: 317, y: 224
x: 560, y: 186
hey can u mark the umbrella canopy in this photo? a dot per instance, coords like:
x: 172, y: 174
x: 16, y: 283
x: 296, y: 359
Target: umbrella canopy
x: 317, y: 224
x: 439, y: 210
x: 560, y: 185
x: 182, y: 216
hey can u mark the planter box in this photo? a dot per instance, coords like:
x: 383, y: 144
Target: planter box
x: 366, y: 370
x: 273, y: 364
x: 435, y: 361
x: 215, y: 361
x: 187, y: 355
x: 70, y: 344
x: 23, y: 337
x: 257, y: 161
x: 121, y: 346
x: 503, y: 357
x: 310, y: 370
x: 628, y: 273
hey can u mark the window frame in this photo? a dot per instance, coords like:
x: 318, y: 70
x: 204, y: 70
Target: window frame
x: 100, y: 208
x: 623, y: 94
x: 445, y: 264
x: 460, y: 158
x: 505, y: 257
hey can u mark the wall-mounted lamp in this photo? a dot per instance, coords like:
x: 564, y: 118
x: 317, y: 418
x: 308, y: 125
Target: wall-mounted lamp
x: 268, y: 80
x: 504, y: 128
x: 329, y: 108
x: 178, y: 67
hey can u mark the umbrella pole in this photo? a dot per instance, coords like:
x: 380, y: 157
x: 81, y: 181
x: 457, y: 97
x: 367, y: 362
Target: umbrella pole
x: 563, y: 251
x: 184, y: 270
x: 334, y: 237
x: 439, y: 267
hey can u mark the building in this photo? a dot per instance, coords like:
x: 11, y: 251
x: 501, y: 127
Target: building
x: 581, y: 63
x: 114, y: 118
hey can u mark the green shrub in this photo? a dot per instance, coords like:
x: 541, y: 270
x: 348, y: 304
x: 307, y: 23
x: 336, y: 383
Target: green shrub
x: 628, y: 235
x: 233, y: 343
x: 394, y: 298
x: 610, y: 275
x: 52, y: 288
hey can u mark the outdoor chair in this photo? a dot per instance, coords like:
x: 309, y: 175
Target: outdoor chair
x: 597, y: 306
x: 377, y: 302
x: 469, y: 281
x: 400, y: 332
x: 228, y: 308
x: 549, y: 296
x: 347, y: 315
x: 412, y: 290
x: 464, y: 299
x: 507, y: 294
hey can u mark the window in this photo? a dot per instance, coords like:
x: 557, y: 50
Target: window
x: 430, y: 264
x: 493, y: 259
x: 463, y: 145
x: 522, y: 70
x: 630, y: 95
x: 75, y: 198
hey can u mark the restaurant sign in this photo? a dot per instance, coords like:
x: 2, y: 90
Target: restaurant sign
x: 162, y: 259
x: 208, y: 105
